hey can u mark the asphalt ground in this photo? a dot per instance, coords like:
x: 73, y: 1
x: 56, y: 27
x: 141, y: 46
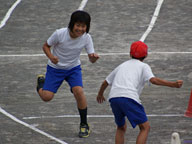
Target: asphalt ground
x: 115, y: 25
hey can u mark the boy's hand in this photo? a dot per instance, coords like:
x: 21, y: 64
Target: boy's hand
x: 47, y: 51
x: 54, y: 59
x: 93, y: 57
x: 100, y: 98
x: 178, y: 83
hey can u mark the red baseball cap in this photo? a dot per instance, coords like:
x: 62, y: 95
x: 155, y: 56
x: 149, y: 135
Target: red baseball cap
x: 138, y: 49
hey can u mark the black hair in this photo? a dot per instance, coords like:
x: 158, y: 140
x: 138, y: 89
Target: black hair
x: 141, y: 59
x: 80, y: 16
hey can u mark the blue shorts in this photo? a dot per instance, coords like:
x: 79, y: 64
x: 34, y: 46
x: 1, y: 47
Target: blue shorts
x: 134, y: 111
x: 55, y: 77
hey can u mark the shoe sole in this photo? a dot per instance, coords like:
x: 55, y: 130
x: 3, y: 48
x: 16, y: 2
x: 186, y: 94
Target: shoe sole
x: 40, y: 75
x: 86, y: 135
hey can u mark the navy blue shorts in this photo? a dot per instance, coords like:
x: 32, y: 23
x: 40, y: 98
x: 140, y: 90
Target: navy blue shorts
x: 55, y: 77
x: 125, y: 107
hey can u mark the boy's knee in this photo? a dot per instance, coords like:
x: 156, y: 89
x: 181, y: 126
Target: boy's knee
x: 148, y: 128
x: 78, y: 91
x: 122, y: 128
x: 145, y: 126
x: 47, y: 96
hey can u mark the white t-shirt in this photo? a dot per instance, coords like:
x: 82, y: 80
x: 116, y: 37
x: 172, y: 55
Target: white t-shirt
x: 128, y: 79
x: 68, y: 49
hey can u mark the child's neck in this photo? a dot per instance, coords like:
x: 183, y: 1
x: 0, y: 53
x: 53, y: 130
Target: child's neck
x: 72, y: 35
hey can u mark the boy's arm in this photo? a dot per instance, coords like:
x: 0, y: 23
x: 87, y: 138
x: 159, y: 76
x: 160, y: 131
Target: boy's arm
x: 47, y: 51
x: 158, y: 81
x: 100, y: 97
x: 93, y: 57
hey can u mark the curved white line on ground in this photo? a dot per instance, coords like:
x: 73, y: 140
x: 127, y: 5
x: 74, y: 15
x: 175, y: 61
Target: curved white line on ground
x: 153, y: 20
x: 30, y: 126
x: 8, y: 14
x: 83, y: 4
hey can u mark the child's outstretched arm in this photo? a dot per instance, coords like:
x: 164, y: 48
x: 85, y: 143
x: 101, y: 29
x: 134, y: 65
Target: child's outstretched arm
x: 158, y: 81
x: 100, y: 97
x: 93, y: 57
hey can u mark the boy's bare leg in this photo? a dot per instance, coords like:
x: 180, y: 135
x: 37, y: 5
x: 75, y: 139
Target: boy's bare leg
x: 80, y: 97
x: 82, y: 107
x: 45, y: 95
x: 120, y: 134
x: 144, y: 130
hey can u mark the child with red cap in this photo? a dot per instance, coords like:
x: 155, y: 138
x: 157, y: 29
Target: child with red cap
x: 127, y: 82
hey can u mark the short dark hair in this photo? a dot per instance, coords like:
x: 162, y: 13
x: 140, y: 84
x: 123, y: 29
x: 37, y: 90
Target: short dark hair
x: 141, y: 59
x: 80, y: 16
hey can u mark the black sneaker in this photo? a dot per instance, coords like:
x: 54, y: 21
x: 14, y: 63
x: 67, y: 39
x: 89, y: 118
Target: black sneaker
x: 40, y: 81
x: 84, y: 131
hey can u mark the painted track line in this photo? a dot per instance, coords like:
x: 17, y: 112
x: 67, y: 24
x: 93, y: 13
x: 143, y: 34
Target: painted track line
x: 83, y: 4
x: 84, y: 54
x: 8, y: 14
x: 98, y: 116
x: 153, y: 20
x: 31, y: 127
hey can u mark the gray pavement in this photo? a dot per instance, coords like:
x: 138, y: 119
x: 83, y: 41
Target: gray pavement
x: 115, y: 25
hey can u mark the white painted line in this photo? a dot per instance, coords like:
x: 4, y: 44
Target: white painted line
x: 84, y: 54
x: 67, y: 116
x: 23, y: 55
x: 98, y: 116
x: 153, y: 20
x: 8, y: 14
x: 31, y: 127
x: 166, y: 115
x: 83, y: 4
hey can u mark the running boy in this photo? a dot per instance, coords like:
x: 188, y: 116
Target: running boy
x: 64, y: 63
x: 127, y: 82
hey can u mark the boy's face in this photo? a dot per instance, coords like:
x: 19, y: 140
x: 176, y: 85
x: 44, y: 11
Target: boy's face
x: 78, y: 30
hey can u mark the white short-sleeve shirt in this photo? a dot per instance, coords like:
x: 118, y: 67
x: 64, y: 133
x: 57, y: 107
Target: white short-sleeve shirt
x: 68, y: 49
x: 128, y: 79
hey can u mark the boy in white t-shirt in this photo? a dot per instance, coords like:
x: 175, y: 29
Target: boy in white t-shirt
x: 64, y: 63
x: 127, y: 82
